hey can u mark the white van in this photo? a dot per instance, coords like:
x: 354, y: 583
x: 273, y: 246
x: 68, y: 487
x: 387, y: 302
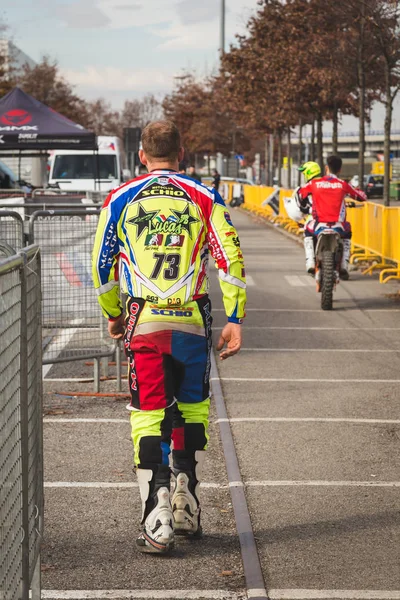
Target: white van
x: 85, y: 170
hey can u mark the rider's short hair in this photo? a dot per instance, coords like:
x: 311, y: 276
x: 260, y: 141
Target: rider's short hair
x: 334, y: 164
x: 161, y: 140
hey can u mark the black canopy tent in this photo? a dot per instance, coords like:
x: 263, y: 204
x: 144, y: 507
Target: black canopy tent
x: 30, y: 128
x: 27, y: 124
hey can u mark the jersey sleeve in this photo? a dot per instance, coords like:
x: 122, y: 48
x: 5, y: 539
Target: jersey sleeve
x: 105, y: 262
x: 304, y: 191
x: 224, y: 246
x: 353, y: 193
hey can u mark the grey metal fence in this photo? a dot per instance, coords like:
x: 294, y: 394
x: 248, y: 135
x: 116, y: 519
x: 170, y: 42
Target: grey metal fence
x: 71, y: 318
x: 73, y: 327
x: 12, y: 229
x: 21, y: 445
x: 91, y: 196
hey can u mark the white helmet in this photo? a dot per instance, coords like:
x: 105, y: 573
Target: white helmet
x: 292, y: 206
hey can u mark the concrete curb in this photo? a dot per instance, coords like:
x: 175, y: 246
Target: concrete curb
x: 252, y: 569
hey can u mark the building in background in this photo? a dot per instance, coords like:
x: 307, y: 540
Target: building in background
x: 14, y: 58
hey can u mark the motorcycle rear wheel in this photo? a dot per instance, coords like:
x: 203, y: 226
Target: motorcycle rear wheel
x: 328, y: 280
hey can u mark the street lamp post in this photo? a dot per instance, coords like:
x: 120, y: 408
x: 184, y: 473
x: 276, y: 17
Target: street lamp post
x: 222, y: 29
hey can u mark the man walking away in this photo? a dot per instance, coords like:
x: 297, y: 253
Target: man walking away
x: 154, y: 235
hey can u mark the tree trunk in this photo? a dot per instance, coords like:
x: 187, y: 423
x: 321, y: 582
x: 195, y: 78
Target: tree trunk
x: 289, y: 159
x: 300, y: 153
x: 271, y: 158
x: 266, y: 159
x: 335, y: 130
x: 386, y: 145
x: 361, y: 135
x: 312, y: 145
x: 361, y: 108
x: 320, y: 147
x: 280, y: 158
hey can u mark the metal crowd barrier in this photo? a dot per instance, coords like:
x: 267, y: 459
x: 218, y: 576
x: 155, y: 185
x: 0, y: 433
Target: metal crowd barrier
x: 376, y: 229
x: 91, y: 196
x: 71, y: 318
x: 21, y: 440
x: 12, y: 193
x: 73, y: 326
x: 12, y: 229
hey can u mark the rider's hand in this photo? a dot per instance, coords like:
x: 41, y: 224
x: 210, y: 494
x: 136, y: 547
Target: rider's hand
x: 116, y: 329
x: 231, y: 335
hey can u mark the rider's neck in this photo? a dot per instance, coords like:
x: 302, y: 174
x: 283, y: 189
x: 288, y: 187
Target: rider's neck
x: 162, y: 166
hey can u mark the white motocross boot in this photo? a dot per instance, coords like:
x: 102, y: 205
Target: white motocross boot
x: 344, y: 266
x: 185, y: 501
x: 157, y: 536
x: 310, y: 256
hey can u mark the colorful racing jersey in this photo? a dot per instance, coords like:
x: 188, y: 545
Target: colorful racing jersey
x: 153, y: 240
x: 328, y: 198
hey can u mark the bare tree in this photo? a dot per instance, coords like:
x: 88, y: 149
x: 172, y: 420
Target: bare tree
x: 44, y: 82
x: 386, y: 23
x: 140, y: 112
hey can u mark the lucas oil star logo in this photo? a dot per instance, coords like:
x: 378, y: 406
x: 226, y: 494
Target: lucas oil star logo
x: 185, y: 220
x: 154, y: 223
x: 143, y: 220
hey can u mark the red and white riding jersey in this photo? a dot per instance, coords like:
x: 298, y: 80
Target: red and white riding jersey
x: 328, y: 198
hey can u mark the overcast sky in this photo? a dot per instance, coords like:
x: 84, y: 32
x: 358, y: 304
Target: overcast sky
x: 120, y: 49
x: 124, y: 48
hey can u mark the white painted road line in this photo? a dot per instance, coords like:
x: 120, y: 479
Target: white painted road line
x: 352, y: 350
x: 322, y: 483
x: 344, y: 329
x: 58, y: 344
x: 91, y: 484
x: 221, y: 486
x: 99, y: 420
x: 68, y: 379
x: 257, y: 593
x: 314, y: 310
x: 310, y: 420
x: 142, y: 594
x: 295, y: 281
x: 250, y: 281
x: 308, y: 280
x: 284, y: 380
x: 248, y: 420
x: 334, y: 594
x: 116, y: 484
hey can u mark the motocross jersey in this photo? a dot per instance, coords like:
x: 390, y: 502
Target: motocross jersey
x: 328, y: 198
x: 153, y: 240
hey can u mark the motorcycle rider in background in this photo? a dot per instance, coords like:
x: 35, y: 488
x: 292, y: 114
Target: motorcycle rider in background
x: 324, y: 199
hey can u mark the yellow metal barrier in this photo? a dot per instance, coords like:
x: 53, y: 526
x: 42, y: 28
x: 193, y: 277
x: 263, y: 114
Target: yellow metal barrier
x: 255, y: 196
x: 376, y: 229
x: 392, y: 246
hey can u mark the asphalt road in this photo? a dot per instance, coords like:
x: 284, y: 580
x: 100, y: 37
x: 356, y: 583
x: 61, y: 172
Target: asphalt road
x: 314, y: 403
x: 314, y: 406
x: 92, y: 507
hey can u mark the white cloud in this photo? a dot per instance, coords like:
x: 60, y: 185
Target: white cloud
x: 192, y: 11
x: 107, y: 79
x: 81, y: 15
x: 203, y: 36
x: 179, y: 23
